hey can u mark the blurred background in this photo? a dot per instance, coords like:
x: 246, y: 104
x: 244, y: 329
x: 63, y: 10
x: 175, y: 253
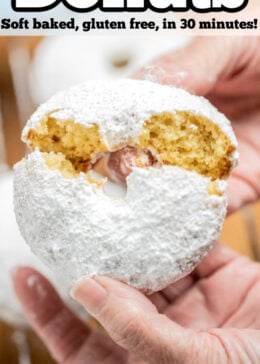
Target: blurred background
x: 31, y: 70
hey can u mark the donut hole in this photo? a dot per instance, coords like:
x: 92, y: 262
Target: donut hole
x: 97, y: 174
x: 120, y: 63
x: 119, y: 60
x: 189, y: 141
x: 118, y: 165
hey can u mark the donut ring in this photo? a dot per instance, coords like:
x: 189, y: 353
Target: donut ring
x: 172, y: 202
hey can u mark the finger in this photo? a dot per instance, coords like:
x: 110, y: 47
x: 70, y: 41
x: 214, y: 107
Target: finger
x: 207, y: 297
x: 241, y: 346
x: 247, y: 313
x: 64, y: 334
x: 175, y: 290
x: 160, y: 300
x: 240, y: 193
x: 57, y: 326
x: 218, y: 257
x: 132, y: 359
x: 133, y: 322
x: 198, y: 66
x: 244, y: 183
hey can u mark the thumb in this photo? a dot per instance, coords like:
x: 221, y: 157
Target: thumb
x: 201, y: 64
x: 133, y: 322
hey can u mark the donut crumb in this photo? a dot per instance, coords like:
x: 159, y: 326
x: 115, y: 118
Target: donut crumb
x: 189, y: 141
x: 66, y: 145
x: 213, y: 189
x: 182, y: 139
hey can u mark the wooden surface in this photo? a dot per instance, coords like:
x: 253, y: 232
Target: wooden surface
x: 17, y: 344
x: 9, y: 109
x: 241, y: 232
x: 15, y: 103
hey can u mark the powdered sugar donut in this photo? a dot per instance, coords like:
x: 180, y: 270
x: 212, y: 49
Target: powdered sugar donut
x: 61, y: 62
x: 126, y: 178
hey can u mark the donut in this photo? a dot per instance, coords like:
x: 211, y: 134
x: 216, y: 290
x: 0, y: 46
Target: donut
x: 61, y: 62
x: 126, y: 178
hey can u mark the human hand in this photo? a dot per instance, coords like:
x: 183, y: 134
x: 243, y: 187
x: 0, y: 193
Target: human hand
x: 211, y: 316
x: 206, y: 317
x: 226, y: 70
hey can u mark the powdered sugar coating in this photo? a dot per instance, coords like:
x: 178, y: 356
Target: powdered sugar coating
x: 153, y: 236
x: 15, y: 252
x: 121, y: 107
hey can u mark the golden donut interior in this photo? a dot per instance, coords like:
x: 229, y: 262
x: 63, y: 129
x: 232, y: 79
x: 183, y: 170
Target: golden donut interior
x: 182, y: 139
x: 189, y: 141
x: 67, y: 146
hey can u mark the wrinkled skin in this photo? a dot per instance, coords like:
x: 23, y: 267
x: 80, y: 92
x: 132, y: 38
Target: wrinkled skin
x: 212, y: 315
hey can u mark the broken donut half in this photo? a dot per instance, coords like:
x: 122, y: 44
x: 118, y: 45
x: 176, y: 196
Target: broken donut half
x: 168, y: 153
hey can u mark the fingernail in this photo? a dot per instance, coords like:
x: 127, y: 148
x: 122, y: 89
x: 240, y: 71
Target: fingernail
x: 90, y: 294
